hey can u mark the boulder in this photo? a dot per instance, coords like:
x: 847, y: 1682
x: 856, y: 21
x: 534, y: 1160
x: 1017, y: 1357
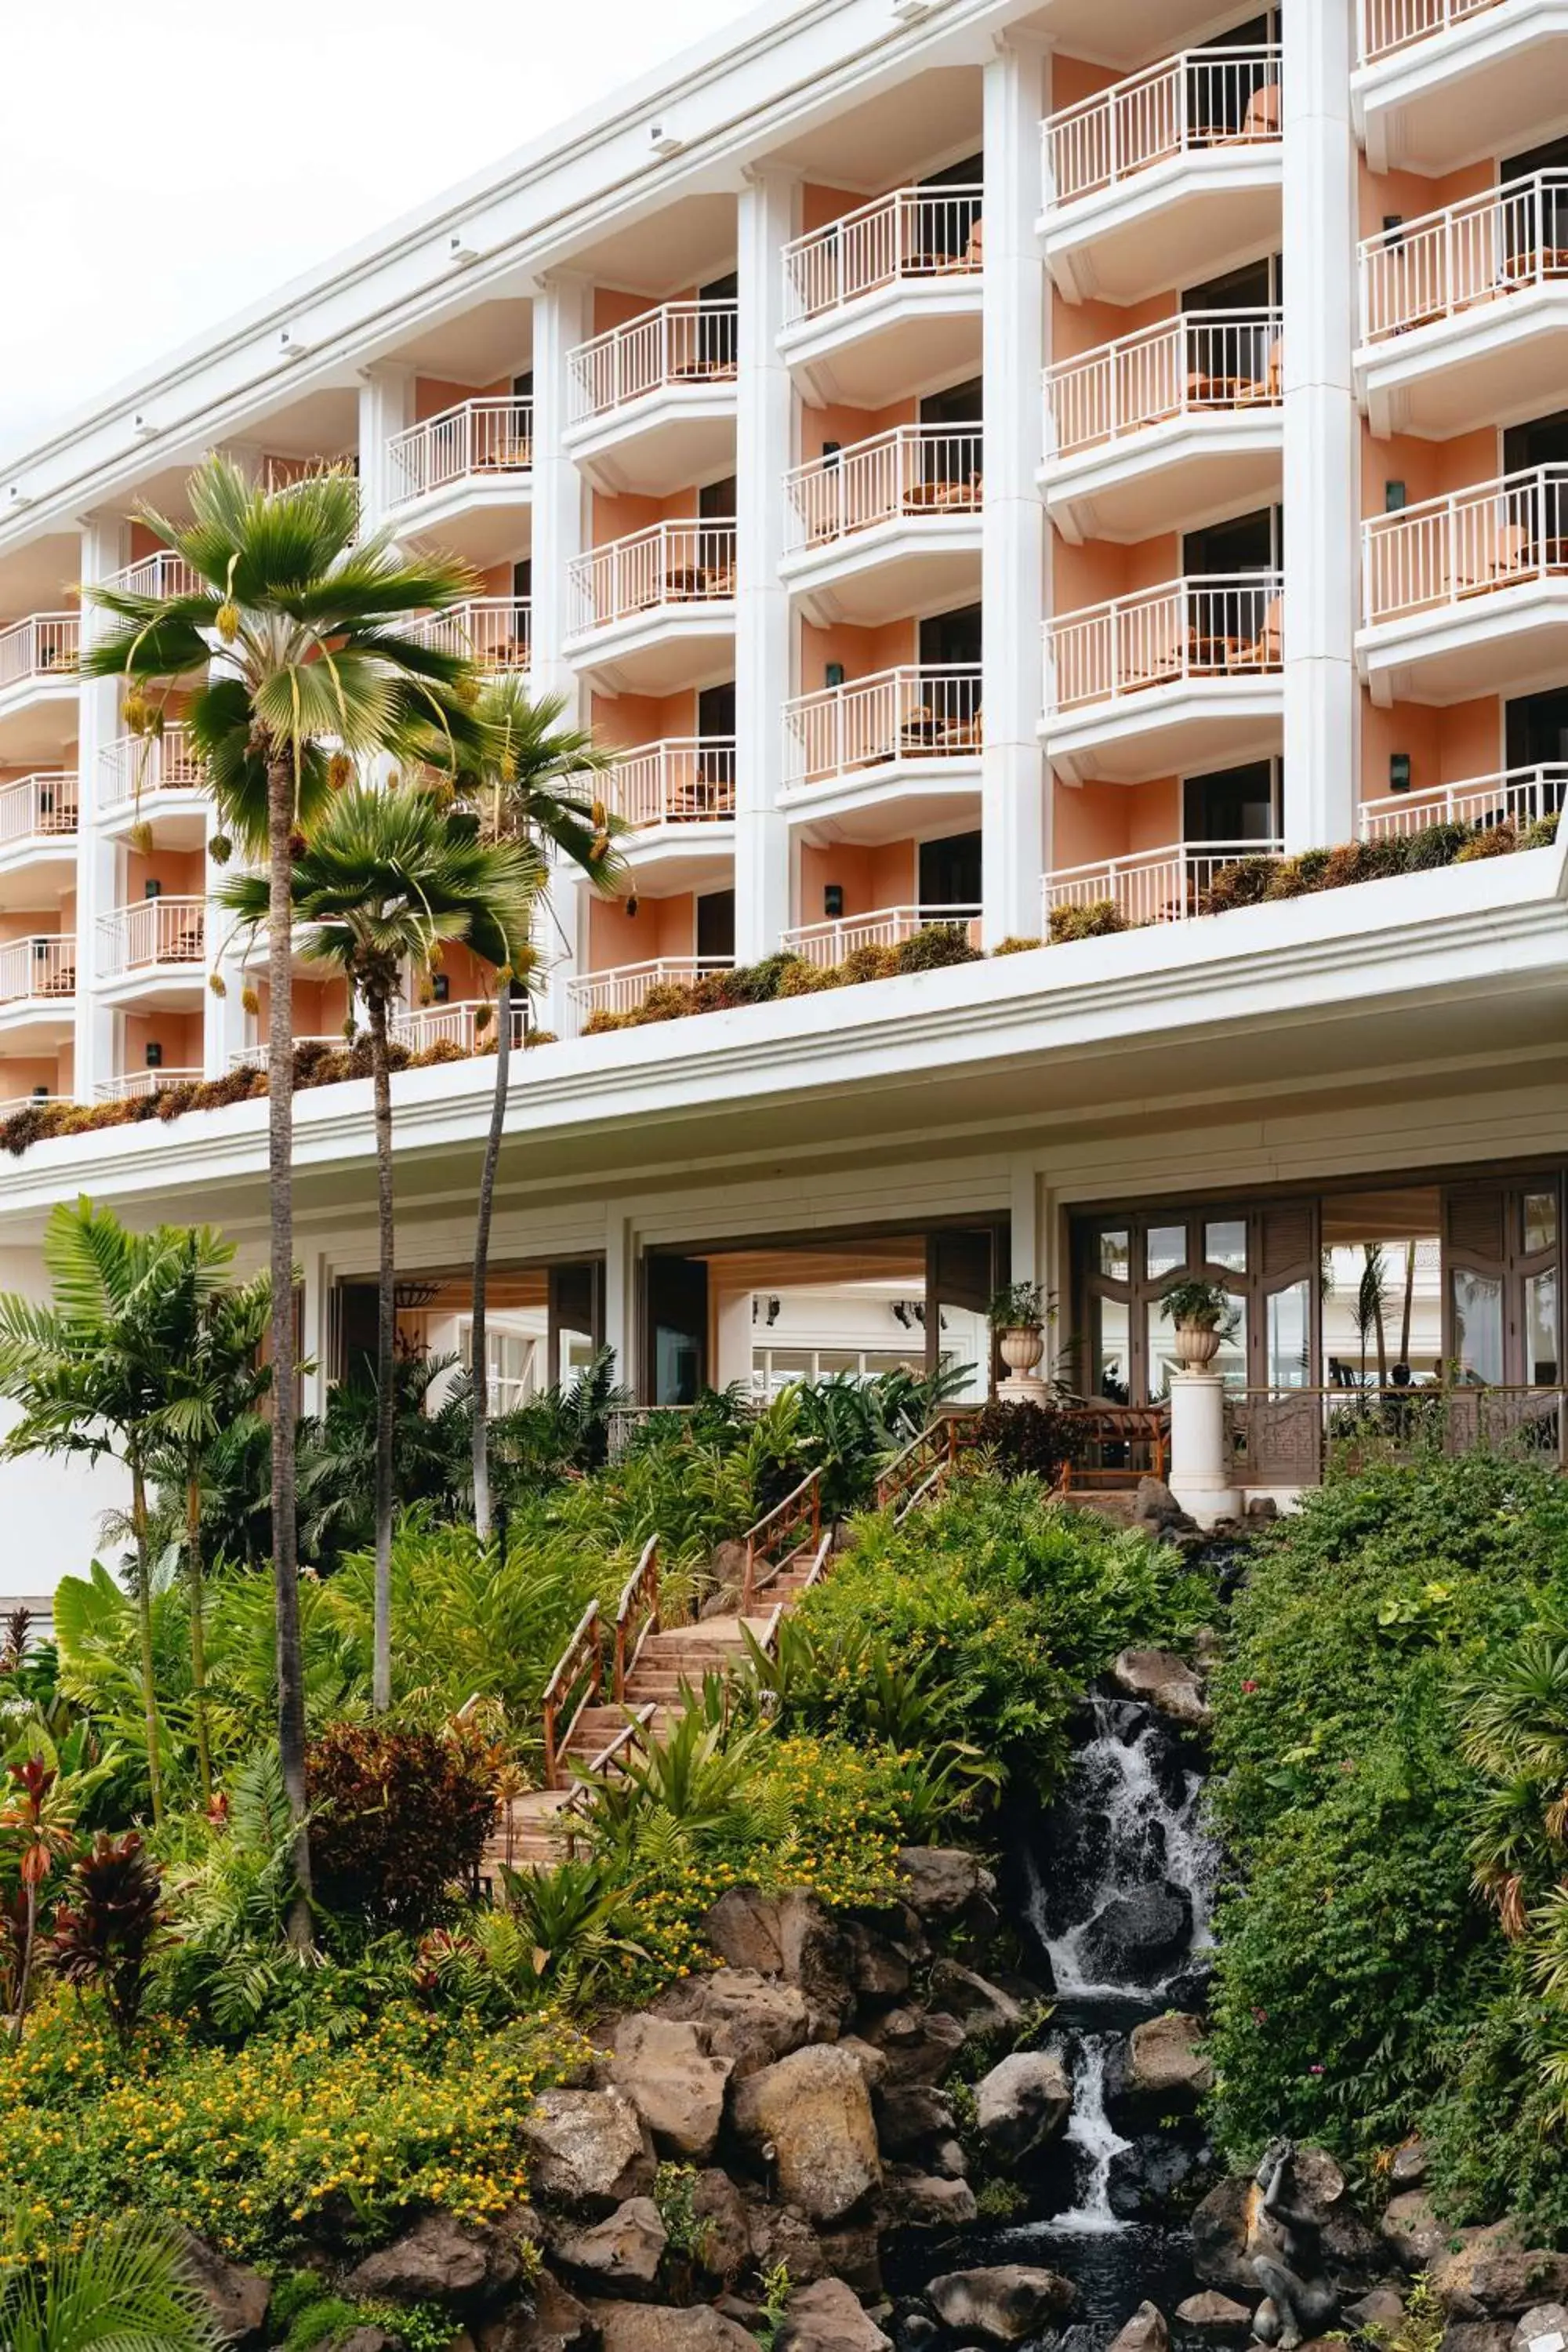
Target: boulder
x: 656, y: 2328
x: 1168, y: 2065
x: 237, y: 2298
x: 1154, y: 1506
x: 1004, y: 2303
x: 723, y: 2236
x: 1157, y: 2175
x: 779, y: 2234
x: 1165, y: 1683
x: 826, y: 2318
x: 557, y: 2322
x: 676, y: 2087
x: 1491, y: 2273
x: 880, y: 1962
x: 1543, y: 2328
x: 1383, y: 2308
x: 911, y: 2117
x: 1215, y: 2314
x: 1023, y: 2104
x: 619, y: 2255
x: 1222, y: 2236
x: 369, y: 2339
x: 749, y: 2021
x: 818, y: 1958
x: 941, y: 1882
x: 1412, y: 2232
x: 439, y: 2260
x: 727, y: 1568
x: 872, y: 2061
x: 587, y: 2149
x: 916, y: 2331
x: 980, y: 2006
x: 1408, y: 2168
x: 852, y: 2251
x: 1146, y: 2331
x: 1136, y: 1937
x: 920, y: 2045
x: 912, y: 2199
x: 1476, y: 2336
x: 809, y: 2116
x: 742, y: 1928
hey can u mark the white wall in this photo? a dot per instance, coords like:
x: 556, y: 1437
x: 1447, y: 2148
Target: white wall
x: 51, y: 1509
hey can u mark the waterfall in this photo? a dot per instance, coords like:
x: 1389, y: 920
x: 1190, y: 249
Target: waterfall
x: 1091, y: 2133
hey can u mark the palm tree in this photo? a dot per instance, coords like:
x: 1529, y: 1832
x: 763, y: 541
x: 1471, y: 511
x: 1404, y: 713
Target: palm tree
x: 124, y: 2289
x: 385, y: 881
x: 525, y: 789
x: 314, y: 669
x: 90, y: 1373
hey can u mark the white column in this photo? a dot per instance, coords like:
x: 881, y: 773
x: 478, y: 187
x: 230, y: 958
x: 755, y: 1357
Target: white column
x: 733, y: 1341
x: 1199, y: 1472
x: 223, y: 1027
x: 105, y: 548
x: 1013, y: 564
x: 317, y: 1335
x: 563, y: 318
x: 385, y: 408
x: 620, y: 1297
x: 765, y: 437
x: 1322, y: 428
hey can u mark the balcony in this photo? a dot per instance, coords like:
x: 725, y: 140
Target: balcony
x: 137, y: 1086
x: 1167, y: 885
x: 495, y: 632
x: 874, y: 758
x: 1467, y: 594
x: 153, y: 951
x: 679, y: 795
x: 1167, y: 429
x: 1443, y: 83
x: 38, y: 685
x: 652, y: 403
x: 887, y: 526
x: 1181, y: 677
x: 654, y: 613
x: 1519, y: 796
x: 163, y: 574
x: 886, y: 301
x: 466, y: 478
x: 1464, y: 313
x: 37, y: 837
x: 157, y: 780
x: 1169, y: 176
x: 38, y: 989
x: 627, y: 987
x: 471, y: 1027
x: 826, y: 944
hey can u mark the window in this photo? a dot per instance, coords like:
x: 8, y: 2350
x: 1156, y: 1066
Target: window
x: 950, y: 871
x: 946, y: 638
x: 1232, y: 805
x: 716, y: 925
x: 716, y: 501
x: 1248, y: 542
x: 1254, y: 288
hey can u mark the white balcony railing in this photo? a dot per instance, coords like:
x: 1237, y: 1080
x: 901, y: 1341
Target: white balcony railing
x: 1152, y: 885
x: 44, y: 645
x: 38, y: 808
x: 135, y: 1085
x: 682, y: 780
x: 43, y: 966
x: 1469, y: 544
x: 885, y: 927
x: 1520, y: 796
x: 134, y: 765
x: 912, y: 234
x: 670, y: 563
x: 1205, y: 363
x: 627, y: 986
x: 255, y: 1057
x: 479, y: 438
x: 678, y: 343
x: 494, y: 631
x: 1199, y: 101
x: 1193, y: 629
x: 153, y: 934
x: 1509, y: 240
x: 929, y: 713
x: 911, y: 470
x: 1389, y: 25
x: 421, y: 1026
x: 162, y: 574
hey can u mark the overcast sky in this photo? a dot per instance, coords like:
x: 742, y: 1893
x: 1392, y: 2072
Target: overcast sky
x: 163, y: 163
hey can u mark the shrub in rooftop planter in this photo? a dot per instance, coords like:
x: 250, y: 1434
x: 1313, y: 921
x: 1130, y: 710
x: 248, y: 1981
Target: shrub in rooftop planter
x: 1433, y: 845
x: 1014, y: 947
x: 1540, y: 834
x: 1204, y: 1315
x: 1242, y: 884
x: 1492, y: 841
x: 1092, y: 922
x: 1293, y: 876
x: 803, y: 979
x: 936, y: 947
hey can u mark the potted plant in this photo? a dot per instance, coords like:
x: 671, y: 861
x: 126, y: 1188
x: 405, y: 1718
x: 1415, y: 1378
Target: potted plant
x: 1204, y: 1315
x: 1018, y: 1315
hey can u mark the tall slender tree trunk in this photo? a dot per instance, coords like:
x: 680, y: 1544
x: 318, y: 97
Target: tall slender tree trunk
x: 481, y: 1265
x: 198, y: 1627
x: 385, y: 1354
x: 281, y: 798
x: 145, y: 1631
x: 24, y: 1973
x: 1409, y: 1302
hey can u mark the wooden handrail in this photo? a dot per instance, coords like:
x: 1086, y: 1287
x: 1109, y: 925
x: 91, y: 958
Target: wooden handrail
x: 640, y: 1589
x: 585, y: 1649
x: 801, y: 1503
x: 1118, y: 1424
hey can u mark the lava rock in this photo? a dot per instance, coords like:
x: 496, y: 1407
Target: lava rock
x: 656, y: 2328
x: 1157, y: 2177
x: 1412, y: 2232
x: 1004, y: 2303
x: 1222, y: 2236
x: 1154, y: 1506
x: 1167, y: 2062
x: 818, y: 1958
x: 810, y: 2114
x: 1146, y: 2331
x: 619, y: 2255
x: 367, y: 2339
x: 1491, y: 2273
x: 722, y: 2225
x: 1476, y: 2336
x: 1023, y: 2104
x: 852, y: 2251
x: 1135, y: 1938
x: 676, y: 2087
x: 556, y: 2322
x: 1543, y: 2323
x: 439, y: 2260
x: 920, y: 2045
x: 587, y: 2149
x: 912, y: 2199
x: 872, y: 2061
x: 916, y: 2331
x: 780, y: 2234
x: 826, y: 2318
x: 1383, y: 2307
x: 1408, y: 2170
x: 237, y: 2298
x: 911, y: 2117
x: 1215, y: 2314
x: 1165, y: 1683
x: 980, y: 2006
x: 742, y: 1928
x: 941, y: 1883
x: 740, y: 2016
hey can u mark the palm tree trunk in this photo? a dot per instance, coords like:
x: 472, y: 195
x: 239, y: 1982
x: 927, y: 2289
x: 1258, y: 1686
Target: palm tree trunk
x: 198, y: 1628
x: 280, y: 1185
x: 1409, y: 1302
x: 144, y: 1630
x: 386, y: 1349
x: 24, y: 1974
x: 481, y: 1265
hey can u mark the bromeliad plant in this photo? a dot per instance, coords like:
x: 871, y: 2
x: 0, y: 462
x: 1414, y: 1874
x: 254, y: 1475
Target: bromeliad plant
x: 109, y: 1927
x: 35, y: 1823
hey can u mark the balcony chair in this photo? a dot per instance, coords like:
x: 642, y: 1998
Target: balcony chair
x: 1249, y: 393
x: 962, y: 495
x: 1503, y: 556
x: 1265, y: 651
x: 1260, y: 122
x: 1163, y: 659
x: 960, y: 734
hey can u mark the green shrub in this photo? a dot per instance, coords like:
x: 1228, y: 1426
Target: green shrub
x: 936, y: 947
x: 1097, y: 921
x: 400, y: 1814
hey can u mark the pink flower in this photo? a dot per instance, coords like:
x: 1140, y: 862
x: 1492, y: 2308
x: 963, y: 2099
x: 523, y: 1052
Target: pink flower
x: 1249, y: 1686
x: 1260, y: 2017
x: 1314, y: 2070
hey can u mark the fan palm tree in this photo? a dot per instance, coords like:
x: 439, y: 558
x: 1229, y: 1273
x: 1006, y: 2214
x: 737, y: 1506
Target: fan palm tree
x: 124, y: 2289
x: 534, y: 785
x: 386, y: 880
x: 293, y: 657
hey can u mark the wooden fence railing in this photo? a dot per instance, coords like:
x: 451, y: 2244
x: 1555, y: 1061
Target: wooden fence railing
x: 791, y: 1528
x: 581, y: 1666
x: 636, y: 1616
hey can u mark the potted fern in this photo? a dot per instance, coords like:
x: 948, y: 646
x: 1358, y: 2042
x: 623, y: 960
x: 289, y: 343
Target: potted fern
x: 1018, y: 1315
x: 1204, y: 1315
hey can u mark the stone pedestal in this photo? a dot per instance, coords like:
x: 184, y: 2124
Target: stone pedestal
x: 1200, y: 1461
x: 1023, y: 1388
